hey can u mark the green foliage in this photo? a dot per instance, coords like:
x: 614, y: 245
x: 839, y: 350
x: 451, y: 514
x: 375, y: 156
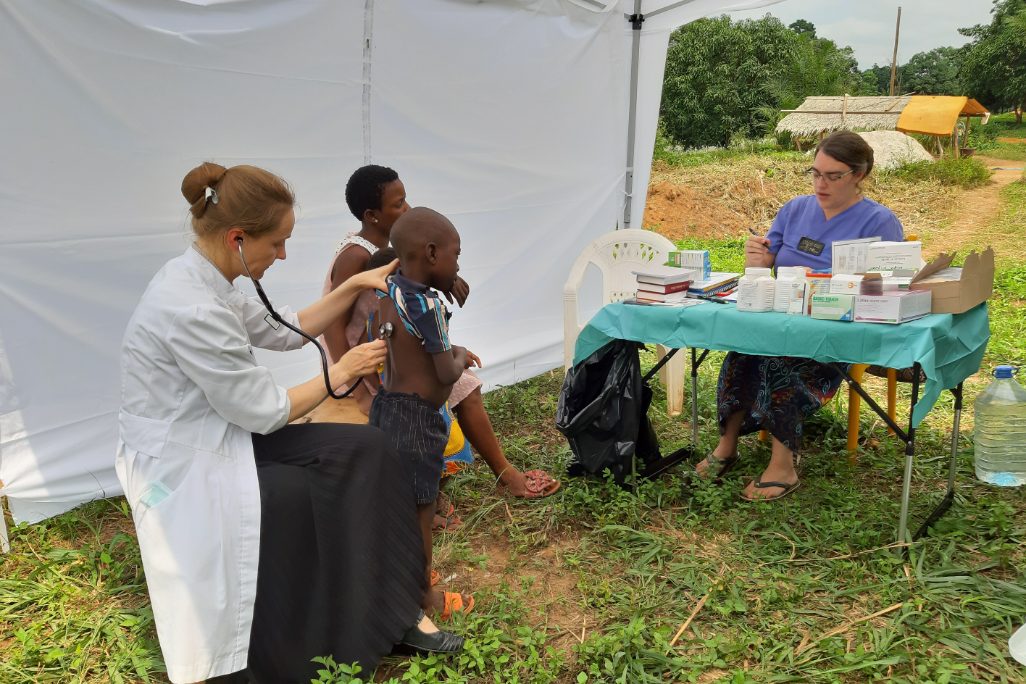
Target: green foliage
x: 803, y: 27
x: 726, y: 79
x: 979, y: 137
x: 994, y: 63
x: 331, y: 672
x: 629, y: 653
x: 932, y: 73
x: 674, y: 155
x: 876, y: 80
x: 966, y: 172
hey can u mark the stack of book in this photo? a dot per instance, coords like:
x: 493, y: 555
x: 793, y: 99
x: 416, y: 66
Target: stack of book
x: 717, y: 283
x: 663, y: 284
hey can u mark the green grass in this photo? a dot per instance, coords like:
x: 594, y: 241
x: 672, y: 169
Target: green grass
x: 592, y: 584
x: 767, y: 148
x: 965, y: 172
x: 1003, y: 126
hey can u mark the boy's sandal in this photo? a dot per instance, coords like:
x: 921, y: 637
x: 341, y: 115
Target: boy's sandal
x: 454, y: 604
x: 447, y: 522
x: 538, y: 483
x: 719, y: 467
x: 786, y: 487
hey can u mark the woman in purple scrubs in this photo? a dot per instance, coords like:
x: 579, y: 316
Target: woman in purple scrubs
x: 777, y: 393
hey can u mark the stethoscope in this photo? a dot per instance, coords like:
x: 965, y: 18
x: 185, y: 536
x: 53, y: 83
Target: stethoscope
x: 385, y: 330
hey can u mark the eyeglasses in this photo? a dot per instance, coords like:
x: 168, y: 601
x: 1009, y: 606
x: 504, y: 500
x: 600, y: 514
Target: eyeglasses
x: 831, y: 176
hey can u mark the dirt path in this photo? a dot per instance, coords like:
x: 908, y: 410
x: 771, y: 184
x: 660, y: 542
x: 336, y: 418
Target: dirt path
x: 977, y: 209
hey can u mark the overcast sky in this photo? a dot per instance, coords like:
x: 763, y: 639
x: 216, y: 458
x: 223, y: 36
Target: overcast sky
x: 868, y: 25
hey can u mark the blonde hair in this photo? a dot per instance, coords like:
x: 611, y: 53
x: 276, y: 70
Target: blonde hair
x: 242, y: 196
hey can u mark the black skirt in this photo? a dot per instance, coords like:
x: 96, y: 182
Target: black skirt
x: 341, y: 560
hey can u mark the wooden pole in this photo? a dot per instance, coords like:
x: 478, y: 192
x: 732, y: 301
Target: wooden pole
x: 894, y: 57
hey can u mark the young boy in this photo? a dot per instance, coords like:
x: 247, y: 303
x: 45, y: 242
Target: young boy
x: 421, y: 367
x: 377, y: 198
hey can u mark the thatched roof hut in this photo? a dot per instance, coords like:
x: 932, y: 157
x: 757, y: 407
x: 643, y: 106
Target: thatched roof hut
x: 935, y: 115
x: 843, y: 112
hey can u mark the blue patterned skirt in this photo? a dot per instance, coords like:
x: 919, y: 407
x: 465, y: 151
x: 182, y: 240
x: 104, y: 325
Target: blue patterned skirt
x: 775, y: 393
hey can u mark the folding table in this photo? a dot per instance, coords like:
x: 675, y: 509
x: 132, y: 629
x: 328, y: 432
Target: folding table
x: 947, y: 348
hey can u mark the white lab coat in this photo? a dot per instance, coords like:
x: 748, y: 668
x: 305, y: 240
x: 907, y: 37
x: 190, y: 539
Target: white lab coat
x: 192, y: 395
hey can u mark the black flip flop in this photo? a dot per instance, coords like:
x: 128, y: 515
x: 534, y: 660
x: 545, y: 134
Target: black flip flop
x: 788, y: 487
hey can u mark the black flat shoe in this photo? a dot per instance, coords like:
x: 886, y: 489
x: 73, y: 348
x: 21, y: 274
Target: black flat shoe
x: 419, y: 641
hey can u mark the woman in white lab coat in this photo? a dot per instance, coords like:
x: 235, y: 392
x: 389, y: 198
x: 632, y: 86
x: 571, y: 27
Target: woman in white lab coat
x: 264, y: 544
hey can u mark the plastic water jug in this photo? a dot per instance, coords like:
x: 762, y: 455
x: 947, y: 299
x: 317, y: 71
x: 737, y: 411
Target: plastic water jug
x: 1000, y: 433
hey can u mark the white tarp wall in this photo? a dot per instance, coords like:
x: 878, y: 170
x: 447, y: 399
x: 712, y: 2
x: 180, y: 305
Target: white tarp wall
x: 509, y: 116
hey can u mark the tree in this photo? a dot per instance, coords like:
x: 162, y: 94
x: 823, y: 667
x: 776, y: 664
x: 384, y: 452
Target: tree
x: 933, y: 73
x: 994, y: 63
x: 876, y: 80
x: 717, y: 76
x: 803, y: 28
x: 819, y: 68
x: 727, y: 78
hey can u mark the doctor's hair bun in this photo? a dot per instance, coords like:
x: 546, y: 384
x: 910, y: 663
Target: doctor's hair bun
x: 243, y: 196
x: 195, y: 184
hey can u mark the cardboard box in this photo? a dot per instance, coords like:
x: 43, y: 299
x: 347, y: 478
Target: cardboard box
x: 956, y: 290
x: 833, y: 307
x: 889, y: 256
x: 815, y: 283
x: 893, y: 307
x: 694, y: 259
x: 843, y: 283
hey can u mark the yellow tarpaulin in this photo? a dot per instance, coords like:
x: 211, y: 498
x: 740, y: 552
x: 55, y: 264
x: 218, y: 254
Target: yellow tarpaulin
x: 937, y: 114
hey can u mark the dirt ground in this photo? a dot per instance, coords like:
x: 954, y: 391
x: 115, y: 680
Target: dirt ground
x: 979, y: 207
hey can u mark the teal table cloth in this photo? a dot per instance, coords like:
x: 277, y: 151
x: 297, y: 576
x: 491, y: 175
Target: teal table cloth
x: 949, y: 347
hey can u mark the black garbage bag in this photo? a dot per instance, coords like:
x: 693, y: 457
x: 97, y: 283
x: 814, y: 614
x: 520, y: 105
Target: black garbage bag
x: 603, y: 412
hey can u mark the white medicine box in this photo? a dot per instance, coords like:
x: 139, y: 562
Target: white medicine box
x: 892, y: 307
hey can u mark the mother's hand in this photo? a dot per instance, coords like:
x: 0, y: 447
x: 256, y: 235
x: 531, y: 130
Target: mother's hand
x: 460, y: 290
x: 375, y: 278
x: 757, y: 252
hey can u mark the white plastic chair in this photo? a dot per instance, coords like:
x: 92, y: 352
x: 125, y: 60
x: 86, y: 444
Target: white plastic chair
x: 617, y: 255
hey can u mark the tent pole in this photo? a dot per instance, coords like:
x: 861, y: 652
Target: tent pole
x: 636, y: 19
x: 368, y: 35
x: 5, y: 537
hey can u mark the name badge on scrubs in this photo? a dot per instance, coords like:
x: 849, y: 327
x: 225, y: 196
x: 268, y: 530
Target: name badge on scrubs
x: 274, y: 324
x: 810, y: 246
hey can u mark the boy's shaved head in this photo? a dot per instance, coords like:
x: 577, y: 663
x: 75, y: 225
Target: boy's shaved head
x: 419, y: 226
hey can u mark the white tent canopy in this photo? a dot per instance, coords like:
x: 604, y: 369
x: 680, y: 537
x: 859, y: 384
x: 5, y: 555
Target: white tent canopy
x: 509, y: 116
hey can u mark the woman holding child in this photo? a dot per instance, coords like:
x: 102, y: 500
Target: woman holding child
x: 258, y: 550
x: 778, y: 393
